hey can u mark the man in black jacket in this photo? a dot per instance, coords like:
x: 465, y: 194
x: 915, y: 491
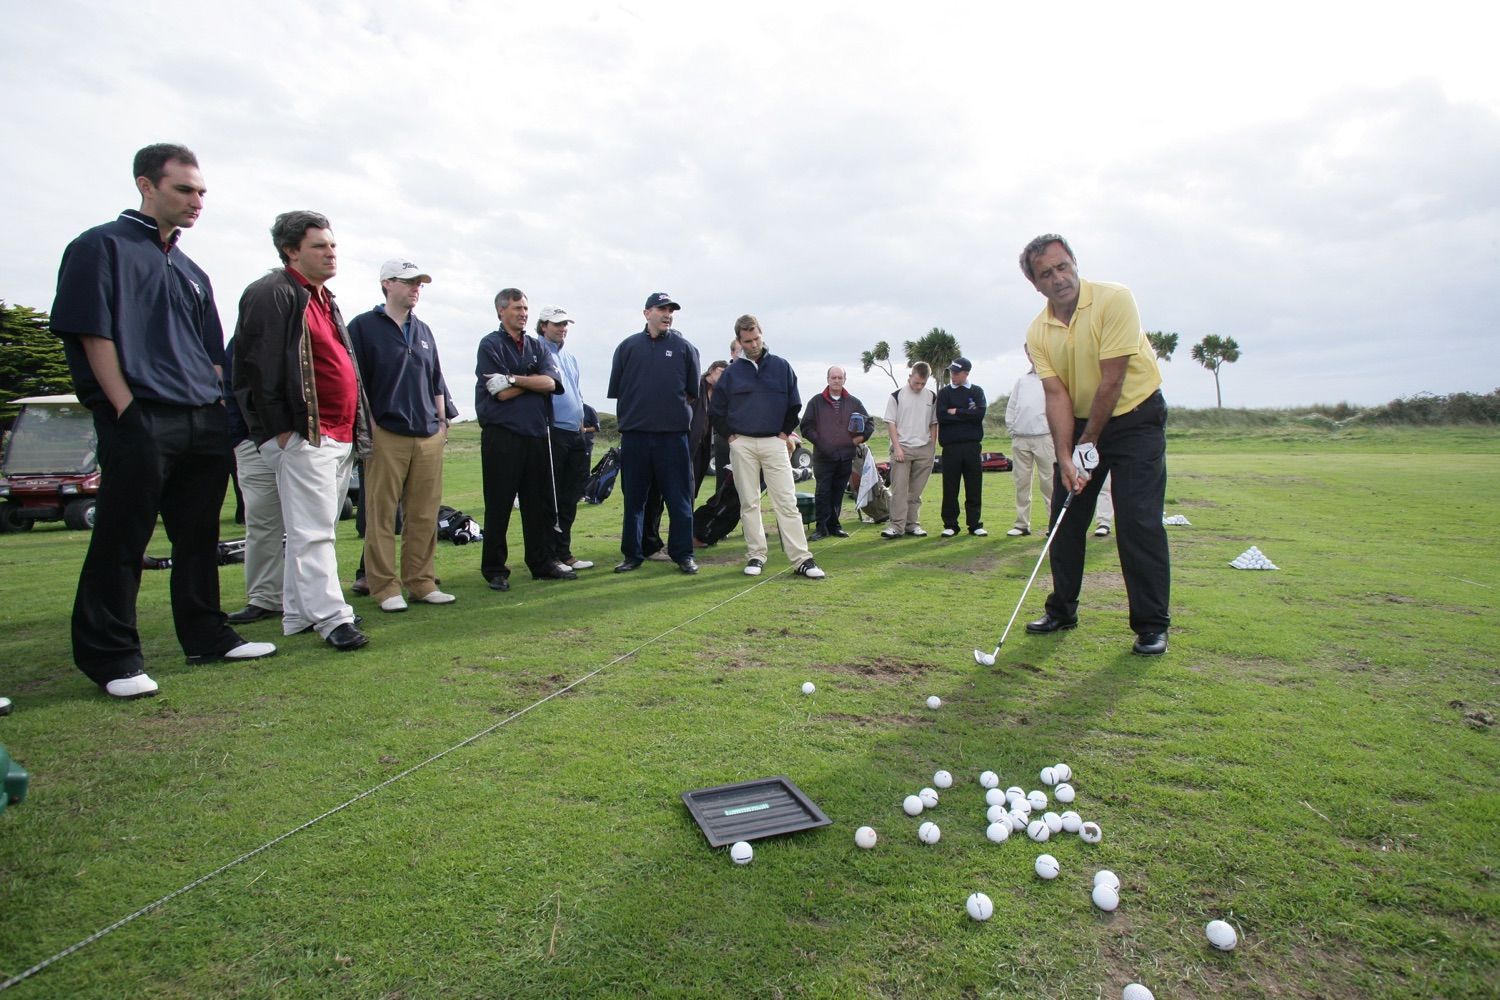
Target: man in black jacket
x: 835, y: 422
x: 960, y: 415
x: 755, y: 406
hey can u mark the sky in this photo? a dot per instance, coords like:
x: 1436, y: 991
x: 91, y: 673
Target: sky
x: 1319, y: 181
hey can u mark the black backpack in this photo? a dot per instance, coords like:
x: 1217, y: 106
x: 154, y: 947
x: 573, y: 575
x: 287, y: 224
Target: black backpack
x: 601, y: 482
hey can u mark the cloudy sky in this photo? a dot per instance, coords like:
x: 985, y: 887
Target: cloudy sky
x: 1319, y: 181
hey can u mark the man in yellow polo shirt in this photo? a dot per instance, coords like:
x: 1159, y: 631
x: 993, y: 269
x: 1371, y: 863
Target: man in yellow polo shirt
x: 1107, y: 416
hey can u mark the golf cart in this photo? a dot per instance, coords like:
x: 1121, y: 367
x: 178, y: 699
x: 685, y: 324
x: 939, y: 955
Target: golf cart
x: 50, y: 470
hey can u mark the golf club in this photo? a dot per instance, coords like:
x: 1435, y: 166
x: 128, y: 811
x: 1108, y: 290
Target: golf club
x: 988, y: 659
x: 552, y: 474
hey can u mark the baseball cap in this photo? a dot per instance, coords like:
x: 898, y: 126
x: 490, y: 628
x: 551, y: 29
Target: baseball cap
x: 961, y: 365
x: 403, y: 270
x: 656, y: 299
x: 554, y: 314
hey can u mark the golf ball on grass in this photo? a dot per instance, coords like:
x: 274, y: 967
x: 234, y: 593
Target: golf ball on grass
x: 942, y: 779
x: 741, y: 853
x: 1015, y: 790
x: 912, y: 805
x: 1135, y: 991
x: 1064, y: 792
x: 1106, y: 877
x: 995, y: 814
x: 1048, y: 776
x: 1047, y: 867
x: 1090, y: 833
x: 993, y: 797
x: 933, y: 701
x: 998, y: 832
x: 865, y: 837
x: 1053, y: 821
x: 1221, y: 935
x: 1037, y: 830
x: 1018, y: 820
x: 1071, y: 821
x: 1063, y: 772
x: 928, y: 833
x: 808, y: 687
x: 929, y: 797
x: 1106, y: 897
x: 1038, y: 799
x: 980, y: 907
x: 989, y: 779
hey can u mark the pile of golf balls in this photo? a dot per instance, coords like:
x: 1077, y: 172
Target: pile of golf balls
x: 1252, y: 558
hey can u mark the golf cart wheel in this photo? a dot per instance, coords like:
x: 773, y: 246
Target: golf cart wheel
x: 801, y: 458
x: 11, y: 519
x: 79, y: 514
x: 346, y: 511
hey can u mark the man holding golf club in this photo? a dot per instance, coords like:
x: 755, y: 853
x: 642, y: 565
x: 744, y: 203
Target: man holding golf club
x: 1107, y: 416
x: 516, y: 373
x: 570, y: 452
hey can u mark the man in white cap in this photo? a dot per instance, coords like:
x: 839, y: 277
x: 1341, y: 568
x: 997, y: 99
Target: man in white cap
x: 398, y: 358
x: 570, y: 452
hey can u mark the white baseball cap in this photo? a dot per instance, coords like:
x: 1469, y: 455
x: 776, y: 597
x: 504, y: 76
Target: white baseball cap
x: 404, y: 270
x: 555, y: 314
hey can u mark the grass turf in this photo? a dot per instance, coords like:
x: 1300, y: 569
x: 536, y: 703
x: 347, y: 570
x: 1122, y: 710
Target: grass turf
x: 1314, y: 760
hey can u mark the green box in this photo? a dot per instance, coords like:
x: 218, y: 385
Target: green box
x: 16, y: 780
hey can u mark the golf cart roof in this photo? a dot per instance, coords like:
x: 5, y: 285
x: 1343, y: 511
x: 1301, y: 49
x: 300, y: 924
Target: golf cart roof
x: 46, y: 400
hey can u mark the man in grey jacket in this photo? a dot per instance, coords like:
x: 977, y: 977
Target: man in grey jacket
x: 1031, y: 445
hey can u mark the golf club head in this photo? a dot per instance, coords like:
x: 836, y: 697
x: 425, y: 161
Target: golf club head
x: 985, y: 659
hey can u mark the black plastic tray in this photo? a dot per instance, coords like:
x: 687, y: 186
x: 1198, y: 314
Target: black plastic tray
x: 751, y: 810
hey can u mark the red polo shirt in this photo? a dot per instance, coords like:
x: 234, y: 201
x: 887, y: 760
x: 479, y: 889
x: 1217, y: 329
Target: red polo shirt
x: 333, y: 369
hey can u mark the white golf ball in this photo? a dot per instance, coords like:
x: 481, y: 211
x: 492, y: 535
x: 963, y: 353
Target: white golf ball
x: 1090, y: 833
x: 1018, y: 820
x: 1221, y: 935
x: 1015, y: 790
x: 928, y: 833
x: 1063, y: 772
x: 1038, y: 799
x: 912, y: 805
x: 998, y: 832
x: 1071, y: 821
x: 995, y: 814
x: 1064, y: 792
x: 1053, y: 821
x: 989, y: 779
x: 1106, y: 898
x: 986, y: 659
x: 980, y: 907
x: 742, y: 853
x: 1037, y: 831
x: 808, y: 687
x: 1017, y: 800
x: 993, y: 797
x: 1047, y: 866
x: 942, y: 779
x: 933, y: 701
x: 929, y: 798
x: 1135, y: 991
x: 865, y: 837
x: 1106, y: 877
x: 1048, y: 776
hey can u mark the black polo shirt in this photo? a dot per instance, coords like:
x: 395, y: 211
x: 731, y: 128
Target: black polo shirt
x: 654, y: 379
x: 118, y: 281
x: 530, y: 413
x: 400, y: 375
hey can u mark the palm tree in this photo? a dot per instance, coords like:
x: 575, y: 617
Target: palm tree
x: 1162, y: 343
x: 1214, y: 352
x: 880, y: 358
x: 936, y: 347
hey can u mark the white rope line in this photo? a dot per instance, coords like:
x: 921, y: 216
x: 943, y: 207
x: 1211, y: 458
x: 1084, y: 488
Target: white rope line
x: 70, y: 949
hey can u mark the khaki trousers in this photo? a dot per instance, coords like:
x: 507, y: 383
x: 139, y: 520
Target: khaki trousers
x: 407, y: 471
x: 1032, y: 455
x: 754, y: 457
x: 908, y: 479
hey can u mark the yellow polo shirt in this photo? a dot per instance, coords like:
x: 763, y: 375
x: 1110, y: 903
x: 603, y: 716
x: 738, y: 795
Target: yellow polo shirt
x: 1106, y: 324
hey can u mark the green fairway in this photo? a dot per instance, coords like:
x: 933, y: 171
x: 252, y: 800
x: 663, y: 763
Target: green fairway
x: 1315, y: 760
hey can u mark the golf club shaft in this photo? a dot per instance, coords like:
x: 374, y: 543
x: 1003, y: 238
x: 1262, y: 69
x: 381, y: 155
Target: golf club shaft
x: 552, y: 475
x: 1046, y: 547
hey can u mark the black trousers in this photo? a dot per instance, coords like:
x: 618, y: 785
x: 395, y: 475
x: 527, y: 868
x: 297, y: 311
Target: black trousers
x: 570, y: 469
x: 515, y: 465
x: 154, y: 458
x: 1132, y: 449
x: 832, y: 475
x: 657, y: 461
x: 961, y: 463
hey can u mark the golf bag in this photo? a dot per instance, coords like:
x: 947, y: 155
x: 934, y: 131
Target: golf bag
x: 601, y: 481
x: 718, y: 516
x: 877, y: 510
x: 457, y: 527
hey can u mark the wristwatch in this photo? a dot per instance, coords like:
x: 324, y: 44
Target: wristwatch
x: 510, y: 379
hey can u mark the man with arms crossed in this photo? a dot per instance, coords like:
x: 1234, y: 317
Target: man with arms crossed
x: 298, y: 386
x: 755, y: 406
x: 142, y: 337
x: 398, y: 358
x: 960, y: 414
x: 1107, y: 417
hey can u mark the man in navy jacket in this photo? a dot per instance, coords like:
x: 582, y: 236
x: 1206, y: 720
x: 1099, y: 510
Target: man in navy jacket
x: 960, y: 417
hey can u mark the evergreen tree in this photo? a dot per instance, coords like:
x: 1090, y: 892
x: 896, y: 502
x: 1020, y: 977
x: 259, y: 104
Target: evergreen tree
x: 31, y: 359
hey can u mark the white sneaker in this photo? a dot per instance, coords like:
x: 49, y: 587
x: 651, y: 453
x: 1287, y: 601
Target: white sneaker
x: 393, y: 603
x: 125, y: 688
x: 948, y: 532
x: 810, y: 570
x: 251, y: 651
x: 432, y: 597
x: 980, y: 533
x: 1101, y: 531
x: 753, y: 567
x: 580, y: 564
x: 1018, y: 532
x: 916, y: 532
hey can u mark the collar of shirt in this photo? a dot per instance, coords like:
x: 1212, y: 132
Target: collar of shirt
x: 145, y: 221
x: 405, y: 325
x: 322, y: 296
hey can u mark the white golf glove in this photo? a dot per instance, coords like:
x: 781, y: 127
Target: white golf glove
x: 496, y: 384
x: 1085, y: 457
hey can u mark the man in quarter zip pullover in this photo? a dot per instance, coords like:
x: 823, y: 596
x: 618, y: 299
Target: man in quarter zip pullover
x: 960, y: 417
